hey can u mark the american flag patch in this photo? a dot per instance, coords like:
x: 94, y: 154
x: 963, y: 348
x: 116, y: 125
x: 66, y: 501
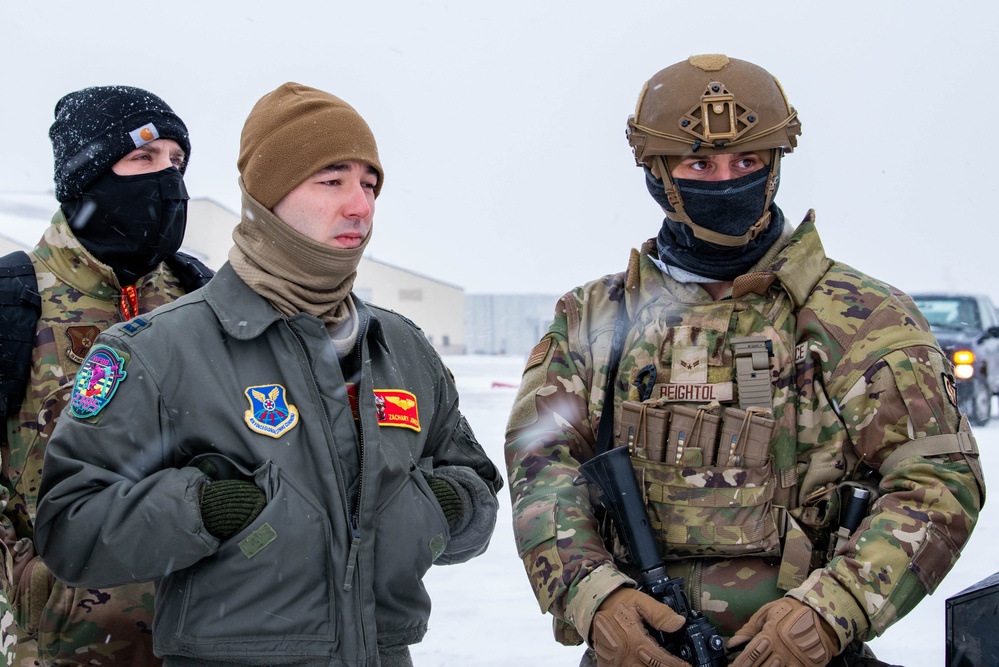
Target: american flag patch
x: 539, y: 353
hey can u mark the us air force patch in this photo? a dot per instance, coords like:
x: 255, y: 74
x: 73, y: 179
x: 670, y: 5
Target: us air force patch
x: 269, y: 412
x: 80, y: 341
x: 97, y: 380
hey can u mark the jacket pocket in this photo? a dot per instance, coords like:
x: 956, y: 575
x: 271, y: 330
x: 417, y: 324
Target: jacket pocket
x: 410, y: 533
x: 273, y: 579
x: 535, y: 529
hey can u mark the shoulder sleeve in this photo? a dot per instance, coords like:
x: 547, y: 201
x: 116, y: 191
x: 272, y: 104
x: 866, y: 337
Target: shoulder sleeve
x: 548, y: 435
x: 889, y: 381
x: 111, y: 480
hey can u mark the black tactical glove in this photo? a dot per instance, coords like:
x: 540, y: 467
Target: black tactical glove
x: 228, y: 505
x: 447, y: 498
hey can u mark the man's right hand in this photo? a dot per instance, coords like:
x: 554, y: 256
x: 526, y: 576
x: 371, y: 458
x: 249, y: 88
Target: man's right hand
x: 619, y: 636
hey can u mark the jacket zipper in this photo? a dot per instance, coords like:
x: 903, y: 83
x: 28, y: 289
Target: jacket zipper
x: 355, y: 533
x: 355, y: 514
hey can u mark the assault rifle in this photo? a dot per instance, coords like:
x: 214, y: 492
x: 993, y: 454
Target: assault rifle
x: 697, y: 642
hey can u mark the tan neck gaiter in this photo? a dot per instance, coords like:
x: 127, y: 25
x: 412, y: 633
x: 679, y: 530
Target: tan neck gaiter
x: 293, y: 272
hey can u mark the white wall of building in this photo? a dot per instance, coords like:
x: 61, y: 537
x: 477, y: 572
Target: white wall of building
x: 438, y: 308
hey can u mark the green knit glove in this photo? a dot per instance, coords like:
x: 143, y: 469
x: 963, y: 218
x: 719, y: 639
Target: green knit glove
x: 230, y: 505
x: 448, y: 499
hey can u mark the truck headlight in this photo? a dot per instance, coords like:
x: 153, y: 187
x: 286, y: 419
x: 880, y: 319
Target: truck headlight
x: 964, y: 367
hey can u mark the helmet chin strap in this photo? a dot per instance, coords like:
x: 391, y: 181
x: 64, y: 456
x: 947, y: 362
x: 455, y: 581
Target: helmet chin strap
x: 708, y: 235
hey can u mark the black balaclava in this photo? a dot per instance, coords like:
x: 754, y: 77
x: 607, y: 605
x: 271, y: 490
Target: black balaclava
x: 131, y: 223
x: 729, y: 207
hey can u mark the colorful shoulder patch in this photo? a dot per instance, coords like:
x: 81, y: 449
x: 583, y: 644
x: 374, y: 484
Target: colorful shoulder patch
x: 96, y: 382
x: 395, y: 407
x: 269, y: 413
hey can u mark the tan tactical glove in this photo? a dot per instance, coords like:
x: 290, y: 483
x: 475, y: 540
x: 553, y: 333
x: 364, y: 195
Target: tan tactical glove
x: 619, y: 637
x: 785, y: 633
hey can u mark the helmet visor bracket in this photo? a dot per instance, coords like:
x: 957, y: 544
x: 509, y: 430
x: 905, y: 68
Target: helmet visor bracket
x: 718, y: 118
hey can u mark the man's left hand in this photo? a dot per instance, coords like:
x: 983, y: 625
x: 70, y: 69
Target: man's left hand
x: 784, y: 633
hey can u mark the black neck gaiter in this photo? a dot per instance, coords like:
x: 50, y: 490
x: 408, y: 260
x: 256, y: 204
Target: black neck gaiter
x: 131, y: 223
x: 728, y: 207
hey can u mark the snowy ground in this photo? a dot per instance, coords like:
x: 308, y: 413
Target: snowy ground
x: 485, y: 614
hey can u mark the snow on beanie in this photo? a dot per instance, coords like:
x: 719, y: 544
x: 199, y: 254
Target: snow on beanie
x: 295, y: 131
x: 95, y: 127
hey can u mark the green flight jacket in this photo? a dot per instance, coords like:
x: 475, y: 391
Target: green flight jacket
x: 322, y: 576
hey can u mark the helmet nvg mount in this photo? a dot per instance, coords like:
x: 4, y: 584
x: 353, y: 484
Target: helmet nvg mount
x: 708, y: 105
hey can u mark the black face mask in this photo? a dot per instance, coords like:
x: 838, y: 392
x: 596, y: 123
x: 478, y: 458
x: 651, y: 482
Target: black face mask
x: 131, y: 223
x: 728, y: 207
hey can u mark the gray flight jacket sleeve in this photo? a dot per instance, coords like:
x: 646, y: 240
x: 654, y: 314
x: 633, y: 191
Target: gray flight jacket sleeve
x: 116, y: 505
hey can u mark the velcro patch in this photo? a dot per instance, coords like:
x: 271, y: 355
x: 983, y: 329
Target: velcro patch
x: 96, y: 381
x: 395, y: 407
x: 538, y: 353
x: 693, y: 392
x: 950, y: 388
x: 690, y: 365
x: 80, y: 341
x: 269, y: 413
x: 800, y: 352
x: 135, y: 325
x: 253, y: 543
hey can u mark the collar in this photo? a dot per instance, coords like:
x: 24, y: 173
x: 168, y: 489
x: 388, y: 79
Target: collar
x: 245, y: 315
x: 796, y: 264
x: 62, y: 253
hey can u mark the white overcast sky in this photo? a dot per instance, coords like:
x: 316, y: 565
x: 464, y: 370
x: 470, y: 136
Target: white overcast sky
x: 501, y: 125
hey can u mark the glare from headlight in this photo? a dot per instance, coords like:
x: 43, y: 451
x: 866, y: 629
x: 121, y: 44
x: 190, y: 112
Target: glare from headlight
x: 964, y: 357
x: 964, y: 371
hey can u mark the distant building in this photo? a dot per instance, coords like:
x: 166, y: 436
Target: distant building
x: 438, y: 308
x: 509, y: 324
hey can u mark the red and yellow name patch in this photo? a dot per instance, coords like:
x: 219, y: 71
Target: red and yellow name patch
x: 393, y: 407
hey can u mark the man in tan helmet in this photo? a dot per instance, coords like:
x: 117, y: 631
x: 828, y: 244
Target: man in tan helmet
x: 284, y: 459
x: 790, y: 421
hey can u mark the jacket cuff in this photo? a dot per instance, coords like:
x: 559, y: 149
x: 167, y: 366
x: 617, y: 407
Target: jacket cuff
x: 823, y: 593
x: 479, y: 508
x: 590, y: 593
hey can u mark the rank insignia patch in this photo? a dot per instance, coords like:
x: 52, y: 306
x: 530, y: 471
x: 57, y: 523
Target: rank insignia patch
x: 395, y: 407
x: 97, y: 380
x: 269, y: 413
x: 80, y: 340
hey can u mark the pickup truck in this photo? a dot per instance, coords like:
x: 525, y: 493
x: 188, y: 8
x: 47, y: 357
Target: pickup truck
x: 967, y: 328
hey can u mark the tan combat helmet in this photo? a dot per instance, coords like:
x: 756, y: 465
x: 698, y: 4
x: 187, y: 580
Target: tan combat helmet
x: 707, y: 105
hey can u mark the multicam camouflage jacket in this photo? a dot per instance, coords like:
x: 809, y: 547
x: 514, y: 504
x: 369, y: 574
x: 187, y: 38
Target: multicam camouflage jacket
x: 80, y: 299
x: 860, y: 393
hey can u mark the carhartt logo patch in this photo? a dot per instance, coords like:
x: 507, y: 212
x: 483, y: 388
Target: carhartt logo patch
x: 80, y: 341
x: 143, y: 135
x: 96, y: 382
x: 690, y: 365
x: 395, y: 407
x: 269, y: 413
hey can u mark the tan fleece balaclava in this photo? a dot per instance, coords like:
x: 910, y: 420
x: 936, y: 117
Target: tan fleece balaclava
x: 292, y: 133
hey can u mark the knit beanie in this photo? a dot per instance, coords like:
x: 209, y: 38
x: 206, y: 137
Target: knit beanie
x: 294, y: 132
x: 95, y: 127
